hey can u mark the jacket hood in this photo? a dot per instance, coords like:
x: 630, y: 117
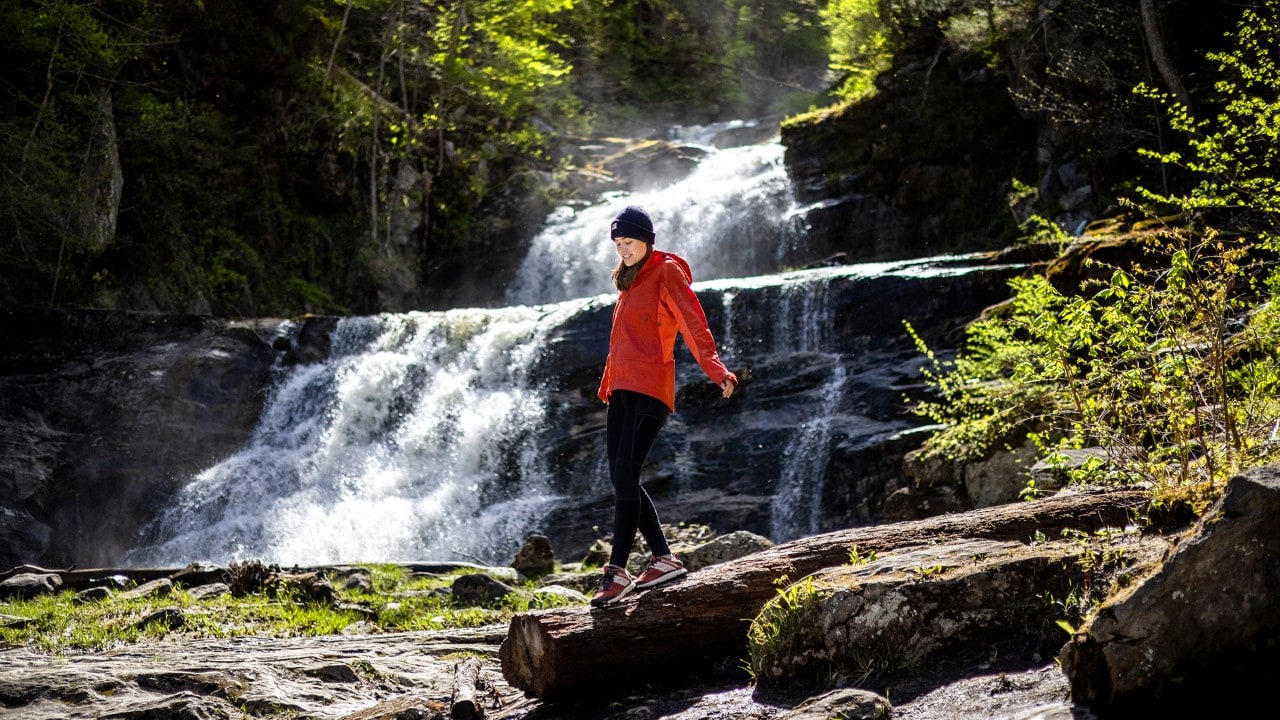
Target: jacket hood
x: 663, y: 256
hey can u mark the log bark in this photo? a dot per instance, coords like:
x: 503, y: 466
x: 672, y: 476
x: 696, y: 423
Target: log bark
x: 700, y: 621
x: 466, y: 706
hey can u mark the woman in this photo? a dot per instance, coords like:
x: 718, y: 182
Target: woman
x: 639, y: 385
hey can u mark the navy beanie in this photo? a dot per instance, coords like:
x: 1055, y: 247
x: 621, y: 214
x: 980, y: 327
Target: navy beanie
x: 632, y: 222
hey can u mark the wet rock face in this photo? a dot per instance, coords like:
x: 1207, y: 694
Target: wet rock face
x: 102, y: 414
x: 718, y: 462
x: 105, y: 415
x: 921, y: 168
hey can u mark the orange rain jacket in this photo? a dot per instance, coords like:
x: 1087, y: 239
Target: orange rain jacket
x: 645, y: 321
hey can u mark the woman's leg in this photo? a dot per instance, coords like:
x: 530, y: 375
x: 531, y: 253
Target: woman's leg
x: 633, y: 422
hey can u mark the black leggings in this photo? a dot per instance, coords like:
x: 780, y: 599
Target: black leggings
x: 633, y: 422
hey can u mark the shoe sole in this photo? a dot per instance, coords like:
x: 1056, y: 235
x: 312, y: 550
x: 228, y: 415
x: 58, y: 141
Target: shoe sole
x: 665, y: 578
x: 609, y: 601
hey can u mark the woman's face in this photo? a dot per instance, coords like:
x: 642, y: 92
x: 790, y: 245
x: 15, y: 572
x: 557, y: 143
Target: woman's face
x: 630, y: 250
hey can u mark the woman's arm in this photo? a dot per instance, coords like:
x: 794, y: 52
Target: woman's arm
x: 679, y: 296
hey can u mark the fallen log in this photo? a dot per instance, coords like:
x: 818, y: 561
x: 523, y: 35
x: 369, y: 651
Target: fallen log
x: 701, y: 620
x: 466, y: 704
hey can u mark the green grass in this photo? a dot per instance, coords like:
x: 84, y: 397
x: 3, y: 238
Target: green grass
x: 398, y: 602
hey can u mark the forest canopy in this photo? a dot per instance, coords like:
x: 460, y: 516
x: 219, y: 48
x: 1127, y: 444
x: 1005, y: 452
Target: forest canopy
x: 242, y: 158
x: 250, y: 158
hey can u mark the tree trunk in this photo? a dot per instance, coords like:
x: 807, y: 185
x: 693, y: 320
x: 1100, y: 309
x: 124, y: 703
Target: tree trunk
x: 701, y: 620
x: 1155, y: 42
x: 333, y: 52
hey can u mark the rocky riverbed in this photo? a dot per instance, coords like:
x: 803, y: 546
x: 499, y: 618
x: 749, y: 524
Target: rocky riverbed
x: 412, y: 675
x: 1188, y: 625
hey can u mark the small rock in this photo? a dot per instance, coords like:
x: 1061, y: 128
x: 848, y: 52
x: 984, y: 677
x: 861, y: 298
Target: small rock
x: 207, y: 592
x: 91, y: 595
x: 29, y: 585
x: 478, y: 588
x: 597, y: 554
x: 358, y: 581
x: 170, y: 617
x: 154, y: 589
x: 361, y: 627
x: 336, y: 672
x: 724, y: 548
x: 536, y: 558
x: 560, y: 593
x: 199, y: 573
x: 844, y: 703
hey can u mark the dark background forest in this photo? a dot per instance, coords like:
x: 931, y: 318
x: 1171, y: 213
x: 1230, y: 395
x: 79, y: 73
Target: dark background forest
x: 284, y: 157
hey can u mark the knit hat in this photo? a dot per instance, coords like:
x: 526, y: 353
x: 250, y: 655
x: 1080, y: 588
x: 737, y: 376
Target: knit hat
x: 632, y: 222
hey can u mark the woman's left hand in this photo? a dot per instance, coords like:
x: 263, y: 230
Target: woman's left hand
x: 727, y: 387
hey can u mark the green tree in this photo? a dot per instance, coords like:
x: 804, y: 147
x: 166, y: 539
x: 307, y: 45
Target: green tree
x: 1233, y: 147
x: 62, y: 60
x: 859, y: 42
x: 1172, y: 364
x: 683, y: 60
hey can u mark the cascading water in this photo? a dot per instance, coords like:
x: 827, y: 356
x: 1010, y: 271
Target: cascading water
x: 730, y: 217
x: 454, y: 435
x: 397, y: 447
x: 803, y: 319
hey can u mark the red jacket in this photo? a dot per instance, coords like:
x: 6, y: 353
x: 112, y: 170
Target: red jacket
x: 645, y: 321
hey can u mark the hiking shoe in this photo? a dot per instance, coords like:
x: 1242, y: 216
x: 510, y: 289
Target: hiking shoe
x: 660, y: 570
x: 614, y: 585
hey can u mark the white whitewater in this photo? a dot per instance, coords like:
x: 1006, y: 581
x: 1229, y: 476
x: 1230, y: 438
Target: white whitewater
x: 406, y: 443
x: 412, y: 441
x: 394, y: 449
x: 731, y: 217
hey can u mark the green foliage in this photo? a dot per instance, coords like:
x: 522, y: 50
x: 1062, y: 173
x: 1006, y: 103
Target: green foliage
x: 857, y: 558
x: 1171, y: 365
x: 1103, y: 570
x: 684, y: 59
x: 924, y: 572
x: 1234, y: 145
x: 273, y: 159
x: 865, y: 35
x: 1035, y: 228
x: 1163, y: 365
x: 859, y: 45
x: 60, y: 57
x: 781, y: 627
x: 264, y: 602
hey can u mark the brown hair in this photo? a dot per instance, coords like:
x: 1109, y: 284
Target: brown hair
x: 624, y: 276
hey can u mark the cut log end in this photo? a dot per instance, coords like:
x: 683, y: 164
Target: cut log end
x: 522, y: 654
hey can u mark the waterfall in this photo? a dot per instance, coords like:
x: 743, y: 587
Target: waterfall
x: 797, y: 501
x: 455, y: 434
x: 410, y: 442
x: 803, y: 321
x: 730, y: 217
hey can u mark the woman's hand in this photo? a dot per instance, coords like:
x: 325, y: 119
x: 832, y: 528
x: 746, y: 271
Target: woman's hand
x: 727, y: 387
